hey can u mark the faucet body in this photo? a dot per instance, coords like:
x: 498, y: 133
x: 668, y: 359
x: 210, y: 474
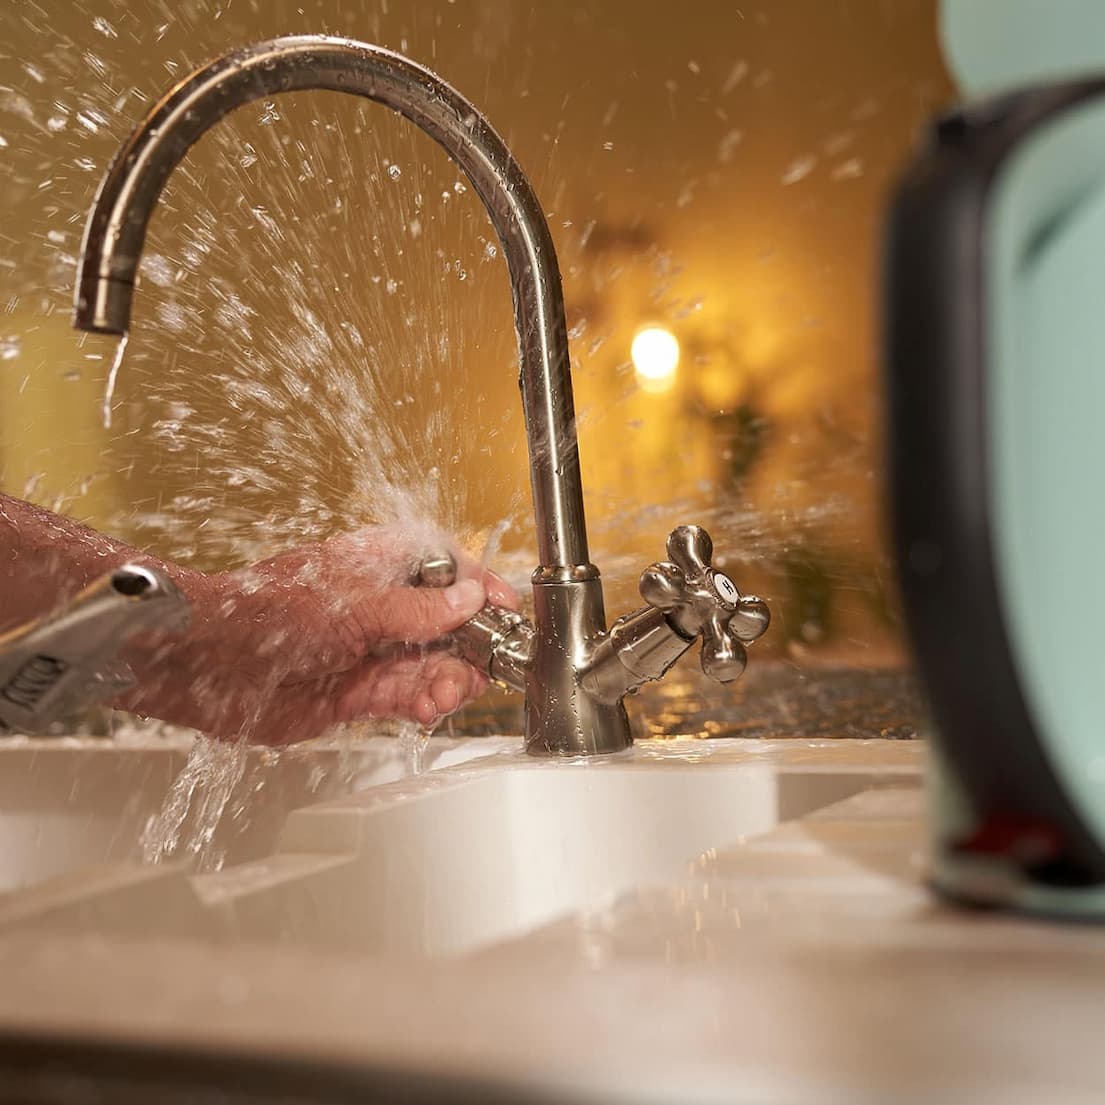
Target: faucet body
x: 561, y: 717
x: 686, y: 598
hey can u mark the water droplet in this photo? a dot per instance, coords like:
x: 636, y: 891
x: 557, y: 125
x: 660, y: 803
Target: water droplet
x: 10, y: 348
x: 848, y: 170
x: 266, y: 220
x: 460, y: 188
x: 798, y: 169
x: 608, y: 146
x: 394, y: 172
x: 490, y: 251
x: 91, y: 120
x: 158, y: 268
x: 736, y: 75
x: 95, y: 63
x: 728, y: 145
x: 392, y: 287
x: 353, y: 333
x: 173, y: 317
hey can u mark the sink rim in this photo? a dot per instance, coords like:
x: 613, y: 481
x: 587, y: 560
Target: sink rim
x: 320, y: 840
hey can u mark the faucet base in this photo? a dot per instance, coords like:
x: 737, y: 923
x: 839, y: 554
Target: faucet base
x: 562, y: 719
x: 588, y: 729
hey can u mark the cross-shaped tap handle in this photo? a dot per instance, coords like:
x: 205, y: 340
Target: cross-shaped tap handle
x: 699, y: 600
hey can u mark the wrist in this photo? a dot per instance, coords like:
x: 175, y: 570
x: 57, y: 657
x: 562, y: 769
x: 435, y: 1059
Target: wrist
x: 169, y: 667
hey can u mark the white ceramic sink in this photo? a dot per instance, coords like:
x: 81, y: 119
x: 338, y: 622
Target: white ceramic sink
x: 70, y: 804
x: 441, y: 864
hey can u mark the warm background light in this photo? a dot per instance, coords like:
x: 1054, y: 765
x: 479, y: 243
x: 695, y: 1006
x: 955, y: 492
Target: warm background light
x: 655, y: 353
x: 316, y: 338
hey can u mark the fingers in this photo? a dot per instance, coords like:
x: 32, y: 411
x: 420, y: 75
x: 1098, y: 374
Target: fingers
x: 499, y: 591
x: 419, y: 614
x: 419, y: 689
x: 422, y: 689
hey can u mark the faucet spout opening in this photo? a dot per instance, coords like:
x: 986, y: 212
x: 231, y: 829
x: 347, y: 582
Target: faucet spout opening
x: 116, y: 229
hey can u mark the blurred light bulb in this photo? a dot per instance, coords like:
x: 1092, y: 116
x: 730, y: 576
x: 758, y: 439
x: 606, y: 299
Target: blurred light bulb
x: 655, y: 353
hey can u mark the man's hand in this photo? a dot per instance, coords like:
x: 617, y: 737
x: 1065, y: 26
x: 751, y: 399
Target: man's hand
x: 328, y: 633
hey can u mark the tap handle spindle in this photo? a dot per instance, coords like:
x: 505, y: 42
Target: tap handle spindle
x: 497, y: 641
x: 698, y: 600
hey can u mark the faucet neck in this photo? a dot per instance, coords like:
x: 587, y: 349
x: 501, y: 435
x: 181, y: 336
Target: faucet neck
x: 116, y: 229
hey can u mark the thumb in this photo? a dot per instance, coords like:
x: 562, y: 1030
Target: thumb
x: 417, y: 614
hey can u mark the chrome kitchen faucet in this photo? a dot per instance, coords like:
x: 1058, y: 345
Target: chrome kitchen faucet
x: 573, y: 672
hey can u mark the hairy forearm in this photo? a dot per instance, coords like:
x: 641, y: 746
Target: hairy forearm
x: 46, y: 558
x: 274, y: 652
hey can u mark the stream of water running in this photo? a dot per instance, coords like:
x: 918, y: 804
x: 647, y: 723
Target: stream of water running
x: 208, y: 779
x: 112, y: 377
x: 412, y: 740
x: 216, y: 791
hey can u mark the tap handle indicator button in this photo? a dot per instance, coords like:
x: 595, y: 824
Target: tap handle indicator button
x: 726, y: 588
x: 698, y: 601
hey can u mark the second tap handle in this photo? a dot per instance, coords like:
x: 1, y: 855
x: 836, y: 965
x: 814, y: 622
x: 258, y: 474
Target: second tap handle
x: 698, y: 600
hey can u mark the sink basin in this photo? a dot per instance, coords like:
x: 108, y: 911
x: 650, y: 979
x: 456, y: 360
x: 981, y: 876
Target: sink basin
x: 456, y: 859
x: 69, y: 804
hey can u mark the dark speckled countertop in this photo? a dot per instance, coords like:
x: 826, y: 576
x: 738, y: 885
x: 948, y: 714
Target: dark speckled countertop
x: 774, y: 699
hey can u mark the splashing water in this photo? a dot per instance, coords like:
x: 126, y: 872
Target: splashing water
x: 494, y: 543
x: 412, y: 739
x: 278, y: 392
x: 321, y: 332
x: 373, y: 370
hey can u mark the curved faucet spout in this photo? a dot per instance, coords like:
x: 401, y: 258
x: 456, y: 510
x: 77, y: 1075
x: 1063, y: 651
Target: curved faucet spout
x: 116, y: 231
